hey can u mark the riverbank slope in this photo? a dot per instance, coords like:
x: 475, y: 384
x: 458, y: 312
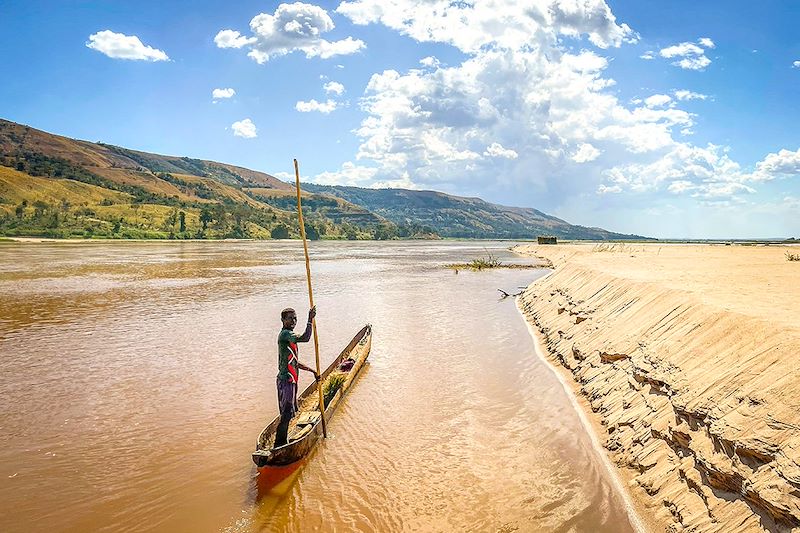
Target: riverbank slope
x: 687, y: 355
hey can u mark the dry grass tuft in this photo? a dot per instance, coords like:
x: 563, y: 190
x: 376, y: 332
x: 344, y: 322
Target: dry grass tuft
x: 613, y: 247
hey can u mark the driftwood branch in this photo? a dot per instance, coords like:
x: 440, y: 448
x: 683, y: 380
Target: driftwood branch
x: 505, y: 295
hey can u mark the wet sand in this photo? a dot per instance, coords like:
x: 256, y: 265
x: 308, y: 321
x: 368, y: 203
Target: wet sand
x: 685, y: 355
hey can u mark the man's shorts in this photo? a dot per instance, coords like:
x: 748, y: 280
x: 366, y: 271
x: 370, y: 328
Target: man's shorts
x: 287, y: 398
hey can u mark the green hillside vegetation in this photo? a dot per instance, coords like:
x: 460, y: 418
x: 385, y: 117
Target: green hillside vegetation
x: 53, y: 186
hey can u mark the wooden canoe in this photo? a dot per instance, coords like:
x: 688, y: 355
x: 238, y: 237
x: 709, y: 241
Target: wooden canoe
x: 306, y: 427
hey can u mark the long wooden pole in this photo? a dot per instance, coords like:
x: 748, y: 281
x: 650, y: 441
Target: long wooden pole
x: 310, y: 297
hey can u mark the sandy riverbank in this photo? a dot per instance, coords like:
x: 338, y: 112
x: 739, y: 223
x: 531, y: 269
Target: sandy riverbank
x: 687, y: 355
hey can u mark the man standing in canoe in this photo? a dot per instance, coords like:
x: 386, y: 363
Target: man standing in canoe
x: 288, y: 365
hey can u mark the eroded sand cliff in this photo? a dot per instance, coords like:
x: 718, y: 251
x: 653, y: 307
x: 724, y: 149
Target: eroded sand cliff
x: 690, y: 358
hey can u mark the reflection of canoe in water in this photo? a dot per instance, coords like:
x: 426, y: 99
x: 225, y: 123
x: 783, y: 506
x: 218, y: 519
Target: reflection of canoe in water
x: 305, y: 428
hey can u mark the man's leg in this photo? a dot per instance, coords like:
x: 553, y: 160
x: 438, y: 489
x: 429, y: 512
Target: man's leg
x: 286, y: 405
x: 283, y: 430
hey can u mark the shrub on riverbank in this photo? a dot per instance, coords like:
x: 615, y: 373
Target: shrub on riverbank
x: 486, y: 263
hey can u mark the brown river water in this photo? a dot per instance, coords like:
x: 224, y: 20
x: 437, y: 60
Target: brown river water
x: 137, y: 376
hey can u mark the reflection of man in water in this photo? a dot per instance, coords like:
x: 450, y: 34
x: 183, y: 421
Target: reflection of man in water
x: 288, y: 364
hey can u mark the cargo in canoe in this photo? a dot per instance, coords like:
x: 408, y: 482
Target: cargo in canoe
x: 306, y: 427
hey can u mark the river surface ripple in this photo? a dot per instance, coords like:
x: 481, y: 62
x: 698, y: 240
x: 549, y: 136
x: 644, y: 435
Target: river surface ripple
x: 137, y: 376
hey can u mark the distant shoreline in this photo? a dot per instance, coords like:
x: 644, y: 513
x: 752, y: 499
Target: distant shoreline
x: 721, y: 242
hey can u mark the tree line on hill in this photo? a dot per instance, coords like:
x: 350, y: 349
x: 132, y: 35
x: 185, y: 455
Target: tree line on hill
x: 215, y: 221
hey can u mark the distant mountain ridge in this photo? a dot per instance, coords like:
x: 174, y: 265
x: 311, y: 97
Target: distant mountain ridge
x: 55, y: 186
x: 462, y: 217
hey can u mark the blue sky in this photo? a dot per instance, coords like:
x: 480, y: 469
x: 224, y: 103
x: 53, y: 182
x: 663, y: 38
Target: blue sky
x: 671, y: 119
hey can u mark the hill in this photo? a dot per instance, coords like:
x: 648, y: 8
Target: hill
x: 55, y: 186
x: 459, y: 217
x: 60, y: 187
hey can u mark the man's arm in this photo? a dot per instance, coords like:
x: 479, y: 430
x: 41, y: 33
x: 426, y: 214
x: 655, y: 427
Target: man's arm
x: 307, y: 333
x: 304, y: 338
x: 301, y: 366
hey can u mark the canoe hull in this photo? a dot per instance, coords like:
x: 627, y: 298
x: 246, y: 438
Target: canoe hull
x: 358, y: 348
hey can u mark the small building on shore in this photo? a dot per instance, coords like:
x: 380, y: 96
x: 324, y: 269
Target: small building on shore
x: 546, y: 239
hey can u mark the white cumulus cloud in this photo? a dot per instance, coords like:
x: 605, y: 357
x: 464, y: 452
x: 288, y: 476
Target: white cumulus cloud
x: 657, y: 100
x: 586, y: 152
x: 706, y: 42
x: 683, y: 94
x: 683, y: 168
x: 497, y: 150
x: 681, y: 50
x: 796, y: 64
x: 782, y: 164
x: 313, y: 105
x: 349, y: 174
x: 469, y: 26
x: 429, y: 61
x: 437, y: 123
x: 333, y: 87
x: 403, y: 182
x: 220, y: 94
x: 121, y: 46
x: 232, y: 39
x: 680, y: 186
x: 244, y: 128
x: 354, y: 175
x: 688, y: 55
x: 525, y: 109
x: 292, y: 27
x: 693, y: 63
